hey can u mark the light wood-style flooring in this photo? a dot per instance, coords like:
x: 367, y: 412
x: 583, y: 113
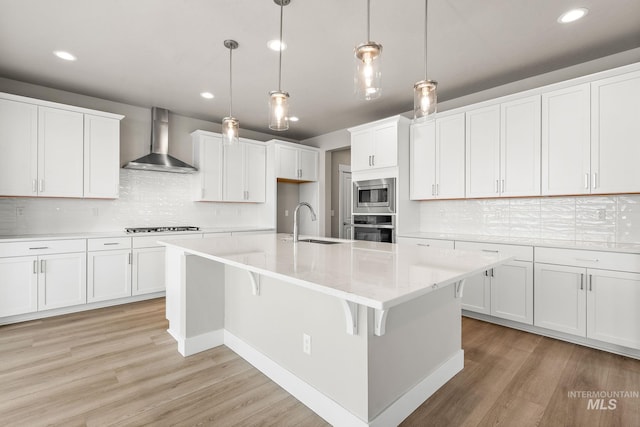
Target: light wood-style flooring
x: 118, y: 366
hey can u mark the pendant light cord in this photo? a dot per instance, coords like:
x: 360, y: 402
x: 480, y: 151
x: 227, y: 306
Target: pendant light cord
x: 230, y: 81
x: 426, y: 21
x: 281, y: 46
x: 368, y: 21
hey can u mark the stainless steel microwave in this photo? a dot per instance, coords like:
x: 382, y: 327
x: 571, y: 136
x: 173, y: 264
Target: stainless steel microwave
x: 374, y: 196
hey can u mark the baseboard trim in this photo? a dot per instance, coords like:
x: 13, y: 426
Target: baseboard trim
x: 192, y: 345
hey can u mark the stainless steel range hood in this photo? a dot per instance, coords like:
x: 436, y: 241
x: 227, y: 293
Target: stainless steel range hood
x: 159, y: 160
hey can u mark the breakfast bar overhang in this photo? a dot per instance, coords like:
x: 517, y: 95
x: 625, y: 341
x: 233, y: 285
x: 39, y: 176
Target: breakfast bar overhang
x: 360, y: 332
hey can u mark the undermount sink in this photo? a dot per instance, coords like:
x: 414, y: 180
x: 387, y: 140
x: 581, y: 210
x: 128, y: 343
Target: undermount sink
x: 323, y: 242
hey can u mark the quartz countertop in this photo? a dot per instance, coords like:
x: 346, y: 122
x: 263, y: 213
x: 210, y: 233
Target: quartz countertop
x: 377, y: 275
x: 122, y: 233
x: 547, y: 243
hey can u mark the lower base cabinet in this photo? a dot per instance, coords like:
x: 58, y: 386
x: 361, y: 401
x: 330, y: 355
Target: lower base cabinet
x: 18, y: 285
x: 587, y: 302
x: 62, y: 280
x: 109, y: 275
x: 148, y: 270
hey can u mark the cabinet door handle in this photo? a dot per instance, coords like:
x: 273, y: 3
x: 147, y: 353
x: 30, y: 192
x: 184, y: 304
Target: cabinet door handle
x: 493, y: 251
x: 594, y: 181
x: 373, y: 160
x: 111, y: 243
x: 486, y: 273
x: 586, y: 181
x: 424, y: 244
x: 502, y: 191
x: 130, y: 258
x: 35, y: 266
x: 369, y: 160
x: 433, y: 189
x: 34, y: 186
x: 493, y: 272
x: 43, y: 264
x: 41, y: 185
x: 588, y: 259
x: 497, y: 188
x: 437, y: 189
x: 39, y: 247
x: 590, y: 282
x: 581, y: 281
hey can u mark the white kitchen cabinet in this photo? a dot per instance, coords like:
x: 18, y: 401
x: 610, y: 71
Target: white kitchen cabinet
x: 101, y: 157
x: 437, y: 157
x: 375, y: 145
x: 503, y: 149
x: 597, y: 303
x: 60, y: 152
x: 228, y: 173
x: 615, y: 132
x: 55, y: 150
x: 62, y: 280
x: 108, y: 268
x: 19, y: 148
x: 208, y: 159
x: 296, y: 164
x: 506, y: 291
x: 566, y: 141
x: 18, y: 285
x: 245, y: 172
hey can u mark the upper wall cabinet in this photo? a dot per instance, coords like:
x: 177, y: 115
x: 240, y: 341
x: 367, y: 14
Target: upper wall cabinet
x: 503, y: 149
x: 228, y: 173
x: 375, y: 145
x: 615, y: 134
x: 53, y: 150
x: 296, y: 163
x: 436, y: 158
x: 566, y: 141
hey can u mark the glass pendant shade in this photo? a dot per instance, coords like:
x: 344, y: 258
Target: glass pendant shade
x: 425, y: 98
x: 278, y: 110
x: 230, y: 129
x: 367, y: 72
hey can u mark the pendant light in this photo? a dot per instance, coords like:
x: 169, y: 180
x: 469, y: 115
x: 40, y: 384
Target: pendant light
x: 230, y: 125
x: 425, y: 98
x: 367, y: 66
x: 278, y: 99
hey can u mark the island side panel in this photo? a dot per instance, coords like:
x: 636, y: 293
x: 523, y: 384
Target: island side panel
x: 273, y: 323
x: 421, y: 336
x: 195, y: 301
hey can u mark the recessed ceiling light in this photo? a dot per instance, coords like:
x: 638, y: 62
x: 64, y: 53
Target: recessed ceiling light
x: 207, y: 95
x: 573, y: 15
x: 276, y: 45
x: 64, y: 55
x: 293, y: 119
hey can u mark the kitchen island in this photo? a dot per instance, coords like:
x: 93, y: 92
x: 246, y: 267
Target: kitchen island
x: 360, y: 332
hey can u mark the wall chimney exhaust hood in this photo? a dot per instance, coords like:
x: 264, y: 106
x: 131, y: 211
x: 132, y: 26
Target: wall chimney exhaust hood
x: 159, y: 160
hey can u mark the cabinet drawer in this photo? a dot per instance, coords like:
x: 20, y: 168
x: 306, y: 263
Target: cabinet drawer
x: 434, y: 243
x: 107, y: 243
x: 42, y: 247
x: 522, y: 253
x: 152, y: 241
x: 591, y: 259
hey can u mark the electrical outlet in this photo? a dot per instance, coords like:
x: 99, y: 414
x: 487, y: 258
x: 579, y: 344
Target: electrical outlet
x: 306, y: 344
x: 602, y: 214
x: 20, y: 211
x: 333, y: 213
x: 286, y: 212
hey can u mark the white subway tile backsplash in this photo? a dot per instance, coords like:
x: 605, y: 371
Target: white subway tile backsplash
x: 584, y: 218
x: 146, y: 199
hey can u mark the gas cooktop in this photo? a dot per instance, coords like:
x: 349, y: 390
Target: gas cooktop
x: 160, y: 229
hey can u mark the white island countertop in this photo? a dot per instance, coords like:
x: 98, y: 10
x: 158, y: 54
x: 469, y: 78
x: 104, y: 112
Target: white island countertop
x: 376, y: 275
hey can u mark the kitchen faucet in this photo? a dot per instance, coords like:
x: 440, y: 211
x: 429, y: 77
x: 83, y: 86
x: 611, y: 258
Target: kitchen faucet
x: 295, y: 218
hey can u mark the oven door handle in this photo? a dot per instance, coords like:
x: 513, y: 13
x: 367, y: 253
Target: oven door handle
x: 386, y: 226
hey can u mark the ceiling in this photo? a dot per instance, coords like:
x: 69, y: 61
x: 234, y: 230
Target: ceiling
x: 165, y: 53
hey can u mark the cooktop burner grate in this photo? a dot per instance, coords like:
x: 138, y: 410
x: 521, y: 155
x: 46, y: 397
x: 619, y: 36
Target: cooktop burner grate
x: 160, y: 229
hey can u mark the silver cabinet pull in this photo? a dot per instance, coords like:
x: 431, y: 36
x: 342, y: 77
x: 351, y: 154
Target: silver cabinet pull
x: 494, y: 251
x: 594, y: 181
x: 111, y: 243
x: 39, y: 247
x: 493, y: 272
x: 437, y: 189
x: 424, y: 244
x: 581, y: 281
x: 502, y: 191
x: 590, y: 282
x: 34, y: 186
x: 35, y: 266
x: 43, y: 264
x: 588, y: 259
x: 433, y: 189
x: 130, y: 258
x: 41, y: 186
x: 586, y: 181
x: 373, y: 160
x: 497, y: 188
x: 369, y: 160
